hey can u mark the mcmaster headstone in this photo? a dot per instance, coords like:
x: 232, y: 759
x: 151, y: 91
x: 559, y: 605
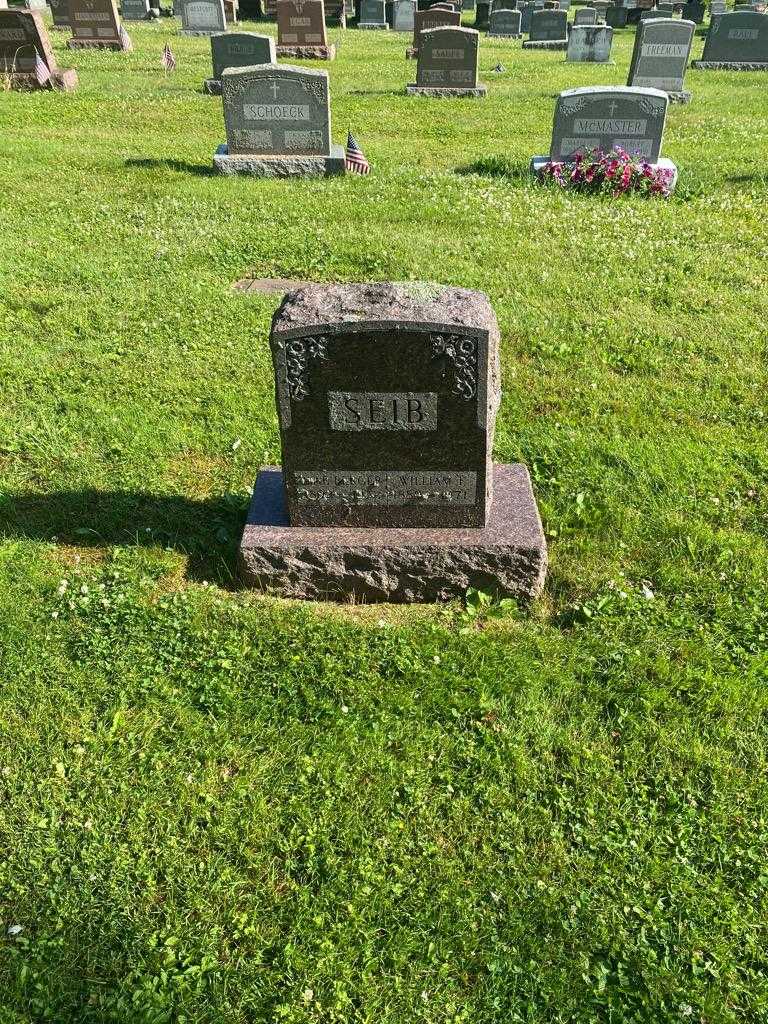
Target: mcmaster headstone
x: 387, y: 397
x: 237, y: 50
x: 301, y: 30
x: 505, y: 24
x: 447, y: 64
x: 660, y: 57
x: 585, y: 16
x: 403, y: 15
x: 429, y: 19
x: 549, y: 31
x: 95, y: 24
x: 606, y: 117
x: 278, y: 122
x: 134, y: 10
x: 373, y: 15
x: 590, y: 44
x: 737, y: 41
x: 22, y: 35
x: 201, y: 17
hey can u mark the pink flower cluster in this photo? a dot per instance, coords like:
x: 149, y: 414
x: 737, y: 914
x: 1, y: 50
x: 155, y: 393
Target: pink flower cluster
x: 616, y: 173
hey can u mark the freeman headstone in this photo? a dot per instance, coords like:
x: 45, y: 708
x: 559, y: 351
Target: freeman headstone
x: 95, y: 24
x: 505, y: 24
x: 431, y: 18
x: 387, y: 398
x: 588, y: 44
x: 549, y: 31
x: 237, y: 50
x: 373, y: 15
x: 22, y: 33
x: 660, y: 57
x: 447, y: 64
x: 201, y: 17
x: 737, y: 41
x: 605, y: 117
x: 278, y: 121
x: 301, y: 30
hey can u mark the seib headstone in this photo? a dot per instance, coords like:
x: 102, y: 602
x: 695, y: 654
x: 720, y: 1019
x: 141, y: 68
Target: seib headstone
x: 585, y: 16
x: 22, y: 34
x: 278, y: 121
x: 590, y: 44
x: 447, y: 63
x: 505, y: 24
x: 237, y: 50
x: 403, y: 15
x: 201, y: 17
x: 660, y: 57
x: 387, y: 398
x: 373, y: 15
x: 301, y: 30
x: 549, y: 31
x: 95, y: 24
x: 134, y: 10
x: 431, y: 18
x: 737, y: 41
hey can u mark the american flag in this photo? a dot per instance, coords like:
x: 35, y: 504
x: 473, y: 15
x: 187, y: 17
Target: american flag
x: 42, y: 74
x: 125, y: 39
x: 169, y: 61
x: 354, y: 159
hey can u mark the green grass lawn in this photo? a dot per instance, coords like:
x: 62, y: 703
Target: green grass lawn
x: 218, y: 807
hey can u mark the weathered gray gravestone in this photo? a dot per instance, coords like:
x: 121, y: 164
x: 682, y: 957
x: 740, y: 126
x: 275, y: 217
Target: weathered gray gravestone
x: 278, y: 121
x: 301, y: 30
x: 549, y: 31
x: 503, y: 5
x: 505, y: 24
x: 694, y: 11
x: 429, y: 19
x: 585, y: 16
x: 134, y: 10
x: 606, y: 117
x: 201, y: 17
x: 95, y: 24
x: 652, y: 14
x: 403, y: 15
x: 660, y: 57
x: 447, y: 64
x: 387, y: 398
x: 60, y: 13
x: 526, y: 13
x: 589, y: 44
x: 737, y: 41
x: 22, y: 34
x: 616, y: 17
x: 237, y: 50
x: 482, y: 15
x: 373, y: 15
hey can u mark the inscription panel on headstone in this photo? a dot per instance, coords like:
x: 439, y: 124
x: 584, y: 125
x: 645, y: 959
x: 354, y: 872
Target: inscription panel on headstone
x: 272, y: 110
x: 660, y: 54
x: 603, y: 118
x: 381, y: 488
x: 240, y: 50
x: 377, y: 410
x: 301, y: 23
x: 738, y: 37
x: 203, y: 16
x: 448, y: 58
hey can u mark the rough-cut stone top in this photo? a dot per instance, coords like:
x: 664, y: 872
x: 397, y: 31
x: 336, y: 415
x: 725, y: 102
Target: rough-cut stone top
x: 409, y: 302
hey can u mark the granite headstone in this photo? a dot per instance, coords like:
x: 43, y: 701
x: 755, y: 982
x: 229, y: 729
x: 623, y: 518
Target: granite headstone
x: 549, y: 31
x: 237, y: 50
x: 505, y: 24
x: 590, y: 44
x: 301, y: 30
x: 60, y: 14
x: 736, y: 41
x: 585, y: 16
x: 22, y: 35
x: 95, y: 24
x: 447, y: 63
x: 403, y: 15
x: 373, y: 15
x: 201, y: 17
x: 431, y: 18
x: 134, y: 10
x: 660, y: 57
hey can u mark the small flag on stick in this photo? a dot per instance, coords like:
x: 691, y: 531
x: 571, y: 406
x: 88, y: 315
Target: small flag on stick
x: 125, y: 39
x: 354, y: 158
x: 169, y: 61
x: 42, y: 74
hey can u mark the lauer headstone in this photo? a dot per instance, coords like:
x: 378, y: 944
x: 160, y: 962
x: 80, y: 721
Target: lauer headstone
x: 201, y: 17
x: 237, y: 50
x: 549, y: 31
x: 278, y: 122
x: 660, y: 57
x: 387, y: 398
x: 301, y: 30
x: 505, y: 24
x: 425, y: 20
x: 606, y: 117
x: 95, y: 24
x: 447, y: 64
x: 590, y: 44
x: 22, y: 36
x: 736, y: 41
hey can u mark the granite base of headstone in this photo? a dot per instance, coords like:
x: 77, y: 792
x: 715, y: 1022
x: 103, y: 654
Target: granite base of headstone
x: 23, y: 35
x: 237, y: 50
x: 736, y: 41
x: 387, y: 397
x: 278, y: 123
x: 605, y: 117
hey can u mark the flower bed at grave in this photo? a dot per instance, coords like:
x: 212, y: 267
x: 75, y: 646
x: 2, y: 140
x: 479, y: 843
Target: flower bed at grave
x: 615, y: 173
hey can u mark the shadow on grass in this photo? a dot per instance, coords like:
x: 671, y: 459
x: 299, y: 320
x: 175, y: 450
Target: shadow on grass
x: 180, y: 166
x: 497, y: 167
x: 206, y: 531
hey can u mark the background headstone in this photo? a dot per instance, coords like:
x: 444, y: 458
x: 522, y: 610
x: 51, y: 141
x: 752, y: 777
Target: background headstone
x: 447, y: 63
x: 549, y: 31
x: 616, y: 16
x: 403, y: 15
x: 59, y: 13
x: 585, y: 16
x: 736, y: 41
x: 21, y: 34
x: 301, y: 30
x: 660, y: 56
x: 201, y: 17
x: 95, y: 24
x: 590, y: 44
x: 373, y: 15
x: 237, y: 50
x: 505, y: 24
x: 429, y: 19
x: 134, y: 10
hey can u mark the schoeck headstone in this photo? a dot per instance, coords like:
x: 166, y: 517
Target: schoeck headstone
x: 549, y: 31
x: 301, y: 30
x: 736, y: 41
x: 431, y: 18
x: 447, y: 64
x: 590, y: 44
x: 387, y: 397
x: 201, y: 17
x: 95, y: 24
x: 660, y: 57
x: 237, y: 50
x: 21, y: 34
x: 278, y: 122
x: 505, y: 24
